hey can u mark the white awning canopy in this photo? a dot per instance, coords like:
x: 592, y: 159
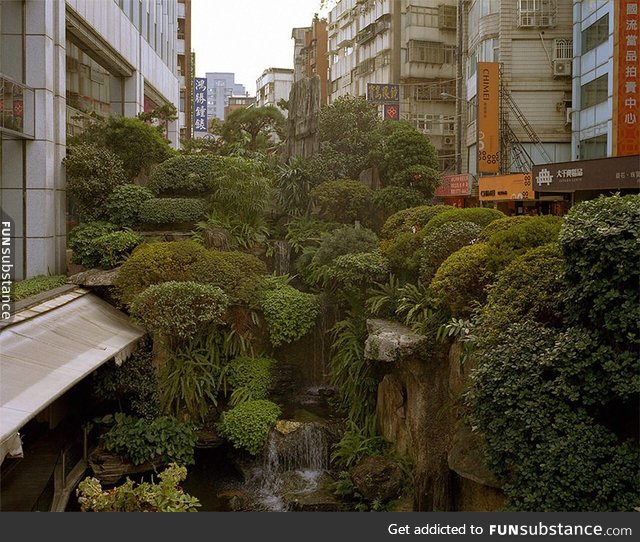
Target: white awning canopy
x: 51, y: 347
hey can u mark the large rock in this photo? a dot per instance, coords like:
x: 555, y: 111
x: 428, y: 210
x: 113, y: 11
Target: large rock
x: 311, y: 492
x: 391, y: 342
x: 377, y: 478
x: 95, y: 277
x: 466, y: 457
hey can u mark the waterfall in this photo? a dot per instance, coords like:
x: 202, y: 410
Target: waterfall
x: 282, y: 257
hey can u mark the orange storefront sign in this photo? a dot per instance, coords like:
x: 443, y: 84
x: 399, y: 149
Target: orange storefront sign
x: 488, y: 117
x: 627, y: 86
x: 517, y: 187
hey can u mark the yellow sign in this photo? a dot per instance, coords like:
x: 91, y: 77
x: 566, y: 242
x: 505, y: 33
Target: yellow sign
x: 518, y: 187
x: 488, y: 117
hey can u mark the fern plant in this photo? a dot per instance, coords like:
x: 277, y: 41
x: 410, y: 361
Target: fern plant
x: 385, y: 297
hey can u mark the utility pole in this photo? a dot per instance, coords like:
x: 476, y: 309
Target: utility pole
x: 459, y: 89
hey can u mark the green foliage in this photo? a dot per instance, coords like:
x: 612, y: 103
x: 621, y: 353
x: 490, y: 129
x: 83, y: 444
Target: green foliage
x: 138, y: 145
x: 418, y: 309
x: 289, y: 313
x: 344, y: 240
x: 114, y: 248
x: 165, y: 496
x: 601, y: 248
x: 482, y: 216
x: 123, y: 204
x: 93, y: 173
x: 404, y: 252
x: 357, y: 271
x: 502, y: 224
x: 403, y: 221
x: 179, y: 309
x: 35, y: 285
x: 463, y: 277
x: 343, y: 200
x: 133, y: 384
x: 391, y: 199
x: 187, y: 175
x: 247, y: 425
x: 224, y: 232
x: 250, y: 379
x: 358, y: 442
x: 443, y: 241
x: 540, y: 399
x: 82, y: 240
x: 293, y: 186
x: 462, y: 331
x: 422, y: 178
x: 305, y: 231
x: 384, y: 298
x: 405, y: 150
x: 157, y: 212
x: 253, y: 127
x: 158, y: 441
x: 530, y: 287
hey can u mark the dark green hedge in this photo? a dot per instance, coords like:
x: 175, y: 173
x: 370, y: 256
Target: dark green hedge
x: 171, y: 211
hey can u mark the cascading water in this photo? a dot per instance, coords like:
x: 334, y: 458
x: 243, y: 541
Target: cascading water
x: 294, y: 459
x: 282, y: 257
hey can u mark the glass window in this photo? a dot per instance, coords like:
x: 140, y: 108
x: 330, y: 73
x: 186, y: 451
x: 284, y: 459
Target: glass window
x: 595, y: 34
x: 595, y: 147
x: 594, y: 92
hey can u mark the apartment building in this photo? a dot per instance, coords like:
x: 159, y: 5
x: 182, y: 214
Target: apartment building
x: 220, y: 87
x: 59, y: 62
x: 238, y: 102
x: 272, y: 86
x: 185, y: 68
x: 411, y: 43
x: 310, y: 54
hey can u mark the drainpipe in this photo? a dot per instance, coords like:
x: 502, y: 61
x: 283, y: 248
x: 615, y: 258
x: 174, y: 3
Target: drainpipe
x: 459, y: 90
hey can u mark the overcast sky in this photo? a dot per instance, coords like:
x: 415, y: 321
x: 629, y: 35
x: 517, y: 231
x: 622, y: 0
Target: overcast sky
x: 247, y: 36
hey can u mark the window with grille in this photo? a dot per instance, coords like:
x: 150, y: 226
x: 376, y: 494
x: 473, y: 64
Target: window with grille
x: 536, y: 13
x: 429, y: 52
x: 447, y: 17
x: 563, y: 49
x: 595, y: 34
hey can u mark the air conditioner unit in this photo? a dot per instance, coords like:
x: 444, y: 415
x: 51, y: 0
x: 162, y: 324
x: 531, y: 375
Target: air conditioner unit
x: 562, y: 67
x: 568, y: 119
x: 448, y: 141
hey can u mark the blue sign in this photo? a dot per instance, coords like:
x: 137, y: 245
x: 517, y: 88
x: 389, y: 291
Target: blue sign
x: 199, y: 104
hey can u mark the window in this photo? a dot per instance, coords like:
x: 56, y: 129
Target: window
x: 447, y: 17
x: 594, y: 92
x: 429, y: 52
x: 595, y: 147
x: 536, y: 13
x: 595, y: 34
x: 563, y: 49
x: 423, y: 16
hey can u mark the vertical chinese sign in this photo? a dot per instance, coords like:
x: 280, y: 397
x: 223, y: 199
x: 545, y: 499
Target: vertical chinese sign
x: 627, y: 103
x: 488, y: 117
x: 199, y: 104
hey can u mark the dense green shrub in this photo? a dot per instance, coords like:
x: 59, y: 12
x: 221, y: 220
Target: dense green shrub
x: 250, y: 379
x: 406, y: 149
x: 404, y: 220
x: 114, y: 248
x: 404, y: 252
x: 225, y: 232
x: 391, y: 199
x: 343, y: 200
x: 304, y: 231
x: 163, y: 439
x: 93, y: 173
x: 422, y: 178
x: 482, y: 216
x: 179, y: 309
x: 82, y: 241
x: 443, y: 241
x: 137, y: 144
x: 185, y: 175
x: 35, y: 285
x: 345, y: 240
x: 358, y: 271
x: 290, y: 314
x: 501, y: 224
x: 530, y: 287
x: 171, y: 211
x: 247, y: 425
x: 531, y: 398
x: 600, y: 244
x: 462, y: 279
x: 123, y: 204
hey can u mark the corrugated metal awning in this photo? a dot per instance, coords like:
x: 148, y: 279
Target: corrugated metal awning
x: 49, y: 348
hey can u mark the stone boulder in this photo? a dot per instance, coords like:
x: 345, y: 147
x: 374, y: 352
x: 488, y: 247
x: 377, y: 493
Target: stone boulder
x: 95, y: 277
x: 391, y: 342
x: 466, y: 457
x: 377, y: 478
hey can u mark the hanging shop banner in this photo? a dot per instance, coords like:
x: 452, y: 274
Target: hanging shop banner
x: 391, y: 111
x: 517, y: 186
x: 379, y: 92
x: 599, y: 174
x: 454, y: 185
x: 199, y: 104
x: 488, y: 117
x: 627, y: 86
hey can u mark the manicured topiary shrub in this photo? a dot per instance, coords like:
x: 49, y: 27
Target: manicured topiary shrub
x: 343, y: 200
x: 462, y: 279
x: 185, y: 176
x: 247, y: 425
x: 35, y: 285
x: 405, y: 152
x: 404, y: 220
x: 531, y: 288
x: 123, y: 204
x: 440, y: 243
x: 179, y: 309
x: 601, y: 246
x: 422, y: 178
x: 404, y: 253
x: 249, y: 378
x: 501, y: 224
x: 290, y: 314
x: 82, y: 240
x: 114, y: 248
x: 345, y: 240
x: 171, y: 212
x: 357, y: 271
x: 391, y: 199
x: 482, y: 216
x: 93, y: 172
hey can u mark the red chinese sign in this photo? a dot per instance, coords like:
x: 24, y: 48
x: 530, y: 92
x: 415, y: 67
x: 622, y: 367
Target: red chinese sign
x: 391, y: 112
x: 627, y: 103
x: 454, y: 185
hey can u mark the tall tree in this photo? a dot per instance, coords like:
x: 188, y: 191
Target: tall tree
x: 254, y: 125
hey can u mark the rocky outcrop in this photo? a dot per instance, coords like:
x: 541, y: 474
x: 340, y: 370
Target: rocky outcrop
x: 466, y: 456
x: 304, y: 113
x: 392, y: 342
x: 95, y: 277
x: 377, y: 478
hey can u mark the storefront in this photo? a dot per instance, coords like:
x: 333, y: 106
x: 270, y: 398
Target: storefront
x: 514, y: 195
x: 456, y: 190
x: 587, y: 179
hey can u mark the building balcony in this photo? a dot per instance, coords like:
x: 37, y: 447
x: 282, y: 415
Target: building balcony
x: 181, y: 10
x: 180, y: 47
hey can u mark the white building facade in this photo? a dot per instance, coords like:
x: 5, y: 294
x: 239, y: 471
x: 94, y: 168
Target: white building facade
x: 272, y: 86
